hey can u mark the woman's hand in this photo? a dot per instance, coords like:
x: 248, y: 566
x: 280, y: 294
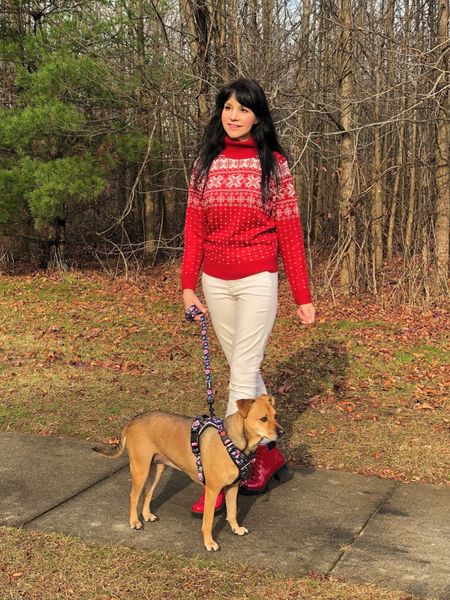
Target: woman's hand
x: 306, y: 312
x: 190, y: 298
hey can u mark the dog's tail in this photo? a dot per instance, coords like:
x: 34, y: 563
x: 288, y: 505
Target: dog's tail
x: 115, y: 450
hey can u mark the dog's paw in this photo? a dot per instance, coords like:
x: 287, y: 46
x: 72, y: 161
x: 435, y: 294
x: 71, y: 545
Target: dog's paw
x: 212, y: 546
x: 136, y: 524
x: 150, y: 517
x: 240, y: 530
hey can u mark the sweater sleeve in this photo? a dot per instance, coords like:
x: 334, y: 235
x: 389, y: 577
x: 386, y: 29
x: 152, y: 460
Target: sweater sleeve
x: 290, y: 236
x: 194, y: 237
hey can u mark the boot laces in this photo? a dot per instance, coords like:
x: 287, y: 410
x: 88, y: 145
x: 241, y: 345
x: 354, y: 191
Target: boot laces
x: 256, y: 469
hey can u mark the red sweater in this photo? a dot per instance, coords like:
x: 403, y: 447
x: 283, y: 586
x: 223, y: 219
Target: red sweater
x: 232, y: 234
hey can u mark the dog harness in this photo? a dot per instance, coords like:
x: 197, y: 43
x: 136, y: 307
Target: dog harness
x: 242, y: 461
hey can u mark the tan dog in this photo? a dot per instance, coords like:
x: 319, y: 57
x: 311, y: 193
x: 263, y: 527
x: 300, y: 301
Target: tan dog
x: 156, y: 439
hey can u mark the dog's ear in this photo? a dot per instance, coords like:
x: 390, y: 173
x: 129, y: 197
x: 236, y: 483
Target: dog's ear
x: 270, y: 399
x: 244, y: 406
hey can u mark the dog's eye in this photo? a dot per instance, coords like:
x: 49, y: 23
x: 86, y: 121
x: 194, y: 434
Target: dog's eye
x: 264, y: 419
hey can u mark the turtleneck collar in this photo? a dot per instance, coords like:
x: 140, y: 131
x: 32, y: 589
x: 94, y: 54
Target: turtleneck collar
x: 240, y: 149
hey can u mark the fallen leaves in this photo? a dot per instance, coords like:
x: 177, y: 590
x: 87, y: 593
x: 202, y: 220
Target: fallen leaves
x: 315, y: 432
x: 284, y: 389
x: 122, y: 365
x: 52, y: 329
x: 92, y: 334
x: 345, y: 406
x: 54, y: 356
x: 423, y: 406
x: 362, y: 371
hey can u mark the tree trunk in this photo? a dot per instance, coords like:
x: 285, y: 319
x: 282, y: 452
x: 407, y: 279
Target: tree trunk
x: 253, y: 35
x: 197, y: 17
x: 346, y: 242
x: 381, y: 74
x: 411, y: 192
x: 149, y: 202
x: 399, y: 160
x: 395, y: 192
x: 267, y: 11
x: 236, y: 37
x: 442, y: 152
x: 52, y: 254
x: 377, y: 190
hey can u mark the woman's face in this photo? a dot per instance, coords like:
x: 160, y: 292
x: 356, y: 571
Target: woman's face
x: 237, y: 120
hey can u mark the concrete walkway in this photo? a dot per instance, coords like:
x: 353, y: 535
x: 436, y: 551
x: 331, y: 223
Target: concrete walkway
x: 361, y: 528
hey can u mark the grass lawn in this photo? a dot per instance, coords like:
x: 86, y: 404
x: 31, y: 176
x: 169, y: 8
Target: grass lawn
x: 365, y: 390
x: 38, y: 566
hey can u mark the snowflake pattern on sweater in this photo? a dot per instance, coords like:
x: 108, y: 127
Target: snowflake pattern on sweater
x: 232, y: 235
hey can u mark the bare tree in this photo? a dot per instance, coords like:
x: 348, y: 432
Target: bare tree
x: 197, y: 16
x: 347, y: 245
x: 442, y: 151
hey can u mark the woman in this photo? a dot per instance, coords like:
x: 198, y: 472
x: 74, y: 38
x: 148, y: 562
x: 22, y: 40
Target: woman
x: 242, y: 211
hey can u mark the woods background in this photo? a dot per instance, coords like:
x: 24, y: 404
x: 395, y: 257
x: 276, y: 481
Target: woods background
x: 103, y: 104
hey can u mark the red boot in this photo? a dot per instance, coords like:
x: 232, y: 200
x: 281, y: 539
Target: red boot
x: 199, y: 506
x: 269, y: 462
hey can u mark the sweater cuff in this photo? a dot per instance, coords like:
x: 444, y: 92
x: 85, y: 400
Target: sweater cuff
x: 189, y: 282
x: 302, y: 296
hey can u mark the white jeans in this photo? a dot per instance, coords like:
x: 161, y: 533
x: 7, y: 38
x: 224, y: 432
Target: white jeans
x: 243, y: 313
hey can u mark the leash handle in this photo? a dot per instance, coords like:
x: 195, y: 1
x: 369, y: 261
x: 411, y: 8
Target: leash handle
x: 192, y: 312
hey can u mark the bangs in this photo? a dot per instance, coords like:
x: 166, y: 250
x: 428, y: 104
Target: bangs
x: 246, y: 97
x: 247, y: 93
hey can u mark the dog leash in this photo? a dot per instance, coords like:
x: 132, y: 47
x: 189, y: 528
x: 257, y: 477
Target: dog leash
x: 192, y: 312
x: 242, y: 461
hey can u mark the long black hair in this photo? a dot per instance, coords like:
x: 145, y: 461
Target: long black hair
x: 250, y: 94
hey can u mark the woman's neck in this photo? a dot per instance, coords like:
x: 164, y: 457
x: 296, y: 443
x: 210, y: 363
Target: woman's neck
x: 240, y: 148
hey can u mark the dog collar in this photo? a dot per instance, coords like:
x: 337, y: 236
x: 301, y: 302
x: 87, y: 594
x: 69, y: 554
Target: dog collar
x: 242, y: 461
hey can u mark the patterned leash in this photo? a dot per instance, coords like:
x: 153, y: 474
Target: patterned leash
x: 242, y: 461
x: 190, y: 315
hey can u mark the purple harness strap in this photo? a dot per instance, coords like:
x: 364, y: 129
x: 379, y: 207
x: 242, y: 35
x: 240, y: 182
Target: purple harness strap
x: 241, y: 460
